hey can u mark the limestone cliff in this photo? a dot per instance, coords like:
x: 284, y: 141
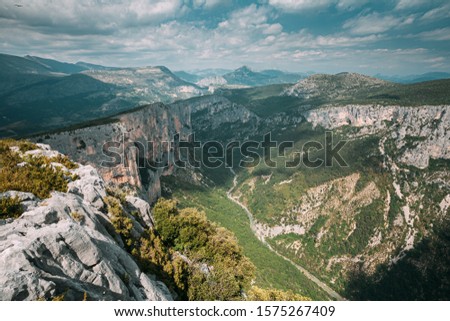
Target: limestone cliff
x: 419, y: 133
x: 129, y: 135
x: 66, y: 245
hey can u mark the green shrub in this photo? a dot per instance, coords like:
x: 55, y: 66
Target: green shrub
x: 123, y: 225
x: 36, y: 175
x: 202, y: 260
x: 258, y: 294
x: 10, y: 207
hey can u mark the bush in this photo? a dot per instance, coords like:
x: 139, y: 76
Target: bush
x: 202, y: 260
x: 258, y: 294
x: 10, y: 207
x: 123, y: 225
x: 36, y: 175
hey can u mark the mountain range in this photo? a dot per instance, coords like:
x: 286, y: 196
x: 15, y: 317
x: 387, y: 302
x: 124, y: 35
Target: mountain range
x: 370, y: 225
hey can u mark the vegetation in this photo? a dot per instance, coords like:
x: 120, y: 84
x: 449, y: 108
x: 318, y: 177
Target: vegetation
x: 10, y: 207
x: 271, y: 270
x: 423, y: 274
x: 77, y: 217
x: 34, y: 174
x: 258, y: 294
x: 266, y: 100
x: 203, y: 259
x: 123, y: 225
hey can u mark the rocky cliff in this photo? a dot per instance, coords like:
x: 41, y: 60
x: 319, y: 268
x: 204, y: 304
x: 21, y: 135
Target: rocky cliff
x: 131, y: 136
x: 66, y: 246
x: 419, y: 133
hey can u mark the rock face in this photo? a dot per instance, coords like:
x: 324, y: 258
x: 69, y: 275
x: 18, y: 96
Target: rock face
x: 65, y: 245
x: 157, y: 124
x: 419, y: 133
x: 213, y: 115
x: 333, y: 86
x: 131, y: 136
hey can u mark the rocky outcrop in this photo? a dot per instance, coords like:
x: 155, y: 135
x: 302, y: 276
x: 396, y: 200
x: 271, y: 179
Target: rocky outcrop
x: 131, y: 136
x: 419, y: 133
x: 331, y: 87
x: 216, y: 117
x: 66, y: 245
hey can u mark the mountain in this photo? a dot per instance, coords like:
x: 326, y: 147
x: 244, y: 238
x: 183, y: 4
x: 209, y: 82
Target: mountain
x: 39, y: 94
x: 146, y: 85
x: 210, y: 72
x: 187, y: 76
x: 57, y: 66
x: 371, y: 228
x: 89, y: 66
x: 244, y: 76
x: 65, y: 237
x: 332, y: 87
x: 415, y: 78
x: 284, y: 77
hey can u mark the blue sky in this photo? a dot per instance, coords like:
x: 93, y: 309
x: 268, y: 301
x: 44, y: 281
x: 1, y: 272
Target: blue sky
x: 385, y: 36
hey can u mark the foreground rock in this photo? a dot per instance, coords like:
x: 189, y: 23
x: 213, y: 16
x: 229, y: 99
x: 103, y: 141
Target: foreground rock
x: 65, y: 245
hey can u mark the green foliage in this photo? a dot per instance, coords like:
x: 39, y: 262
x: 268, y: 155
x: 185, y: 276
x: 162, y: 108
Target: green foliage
x: 218, y: 269
x: 10, y: 207
x: 271, y: 270
x: 77, y: 217
x: 258, y: 294
x: 63, y: 160
x: 36, y: 175
x: 123, y: 225
x: 423, y: 274
x: 23, y: 145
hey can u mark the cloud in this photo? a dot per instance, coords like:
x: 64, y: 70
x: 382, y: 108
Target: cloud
x: 351, y: 4
x: 414, y: 4
x: 442, y: 34
x: 209, y: 4
x: 438, y: 13
x: 299, y: 5
x: 189, y: 34
x: 304, y: 5
x: 375, y: 23
x: 87, y: 16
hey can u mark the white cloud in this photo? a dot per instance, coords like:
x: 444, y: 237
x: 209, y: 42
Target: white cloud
x: 412, y: 4
x: 375, y: 23
x: 138, y: 34
x: 299, y: 5
x: 304, y: 5
x: 442, y: 34
x: 438, y: 13
x: 209, y: 4
x: 351, y: 4
x: 87, y: 16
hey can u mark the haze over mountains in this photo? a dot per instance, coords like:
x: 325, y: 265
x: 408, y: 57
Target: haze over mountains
x: 44, y: 92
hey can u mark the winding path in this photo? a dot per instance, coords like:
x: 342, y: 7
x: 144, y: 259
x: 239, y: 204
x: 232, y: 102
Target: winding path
x: 311, y: 277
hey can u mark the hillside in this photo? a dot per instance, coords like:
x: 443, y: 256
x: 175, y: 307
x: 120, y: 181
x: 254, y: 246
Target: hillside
x: 335, y: 87
x: 244, y: 76
x: 38, y: 95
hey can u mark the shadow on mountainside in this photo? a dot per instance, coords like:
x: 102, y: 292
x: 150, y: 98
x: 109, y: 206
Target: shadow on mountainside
x: 423, y: 274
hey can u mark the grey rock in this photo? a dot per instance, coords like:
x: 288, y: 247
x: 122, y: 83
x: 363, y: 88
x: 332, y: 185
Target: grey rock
x: 66, y: 245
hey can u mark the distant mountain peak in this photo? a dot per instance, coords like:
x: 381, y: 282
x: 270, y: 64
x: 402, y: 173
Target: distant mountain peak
x: 244, y: 69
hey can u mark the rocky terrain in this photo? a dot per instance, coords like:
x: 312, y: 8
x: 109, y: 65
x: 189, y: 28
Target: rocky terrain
x: 132, y: 136
x: 333, y: 87
x: 384, y: 213
x: 66, y: 246
x: 419, y: 133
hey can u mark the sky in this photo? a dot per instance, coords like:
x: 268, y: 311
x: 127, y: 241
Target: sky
x: 391, y: 37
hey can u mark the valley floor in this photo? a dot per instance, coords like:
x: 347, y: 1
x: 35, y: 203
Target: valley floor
x: 307, y: 274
